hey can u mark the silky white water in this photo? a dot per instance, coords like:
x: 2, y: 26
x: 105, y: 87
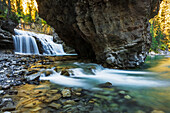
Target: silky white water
x: 85, y: 77
x: 25, y: 43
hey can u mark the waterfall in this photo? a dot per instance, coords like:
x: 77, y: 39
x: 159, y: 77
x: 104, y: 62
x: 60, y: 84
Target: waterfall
x: 25, y: 43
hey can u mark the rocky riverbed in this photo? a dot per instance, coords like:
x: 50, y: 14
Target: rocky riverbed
x: 21, y: 90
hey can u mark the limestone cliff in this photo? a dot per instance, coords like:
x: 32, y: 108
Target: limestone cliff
x: 113, y: 32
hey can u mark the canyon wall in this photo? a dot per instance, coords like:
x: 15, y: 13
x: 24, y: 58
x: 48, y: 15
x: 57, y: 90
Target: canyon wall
x: 6, y: 32
x: 115, y: 33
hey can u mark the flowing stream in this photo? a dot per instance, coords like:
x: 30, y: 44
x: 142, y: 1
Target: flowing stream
x: 150, y: 84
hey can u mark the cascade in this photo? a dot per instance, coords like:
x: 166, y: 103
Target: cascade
x: 25, y: 43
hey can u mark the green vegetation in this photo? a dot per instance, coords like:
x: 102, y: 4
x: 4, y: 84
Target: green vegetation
x: 158, y: 37
x: 6, y: 13
x: 160, y: 28
x: 26, y: 13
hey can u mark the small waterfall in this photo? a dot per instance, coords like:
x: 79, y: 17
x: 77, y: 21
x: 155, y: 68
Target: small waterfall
x: 25, y: 43
x: 49, y: 47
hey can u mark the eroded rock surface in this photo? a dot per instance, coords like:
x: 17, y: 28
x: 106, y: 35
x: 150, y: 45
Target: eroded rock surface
x: 6, y: 31
x: 114, y: 32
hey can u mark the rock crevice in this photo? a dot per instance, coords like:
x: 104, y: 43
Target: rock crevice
x: 115, y: 33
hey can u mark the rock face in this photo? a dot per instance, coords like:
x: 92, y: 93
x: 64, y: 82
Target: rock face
x: 113, y: 32
x: 6, y: 31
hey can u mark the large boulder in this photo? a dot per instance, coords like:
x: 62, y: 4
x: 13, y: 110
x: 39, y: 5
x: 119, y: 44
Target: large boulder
x: 112, y: 32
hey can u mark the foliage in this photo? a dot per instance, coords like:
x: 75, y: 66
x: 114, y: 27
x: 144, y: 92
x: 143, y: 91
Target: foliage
x: 6, y: 13
x: 160, y: 28
x: 158, y: 38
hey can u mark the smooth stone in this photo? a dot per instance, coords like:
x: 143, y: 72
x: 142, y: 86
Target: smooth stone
x: 140, y: 111
x: 127, y: 97
x: 157, y: 111
x: 47, y: 73
x: 66, y: 93
x: 78, y: 94
x: 1, y: 91
x: 106, y: 85
x: 55, y: 105
x: 52, y: 98
x: 53, y: 91
x: 122, y: 92
x: 65, y: 72
x: 66, y: 106
x: 8, y: 107
x: 32, y: 104
x: 71, y: 102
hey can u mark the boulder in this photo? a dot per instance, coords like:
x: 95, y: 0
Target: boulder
x: 112, y: 32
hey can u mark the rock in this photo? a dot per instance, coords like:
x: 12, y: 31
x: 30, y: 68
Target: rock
x: 8, y: 107
x: 53, y: 91
x: 78, y: 94
x: 140, y: 111
x: 71, y: 102
x: 6, y: 32
x: 157, y: 111
x: 66, y: 93
x: 47, y: 73
x: 1, y: 92
x: 122, y: 92
x: 56, y: 106
x: 127, y: 97
x: 65, y: 72
x: 53, y: 98
x: 106, y: 85
x: 67, y: 106
x: 115, y: 33
x: 32, y: 104
x: 32, y: 77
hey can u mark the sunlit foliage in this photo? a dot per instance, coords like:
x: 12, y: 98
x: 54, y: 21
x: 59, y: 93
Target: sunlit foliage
x: 27, y: 9
x: 160, y: 27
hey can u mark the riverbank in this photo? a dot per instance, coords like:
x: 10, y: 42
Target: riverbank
x: 21, y: 90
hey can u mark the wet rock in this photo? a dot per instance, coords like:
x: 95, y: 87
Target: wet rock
x: 140, y: 111
x: 47, y: 73
x: 55, y: 105
x: 6, y: 86
x: 53, y: 98
x: 53, y: 91
x: 106, y: 85
x: 127, y: 97
x: 66, y: 93
x: 71, y: 102
x: 32, y: 77
x: 122, y: 92
x: 67, y: 106
x: 1, y: 92
x: 32, y: 104
x: 8, y: 107
x: 65, y: 72
x: 157, y: 111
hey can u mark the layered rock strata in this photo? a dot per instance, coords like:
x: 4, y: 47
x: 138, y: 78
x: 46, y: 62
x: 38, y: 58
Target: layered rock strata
x: 6, y: 32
